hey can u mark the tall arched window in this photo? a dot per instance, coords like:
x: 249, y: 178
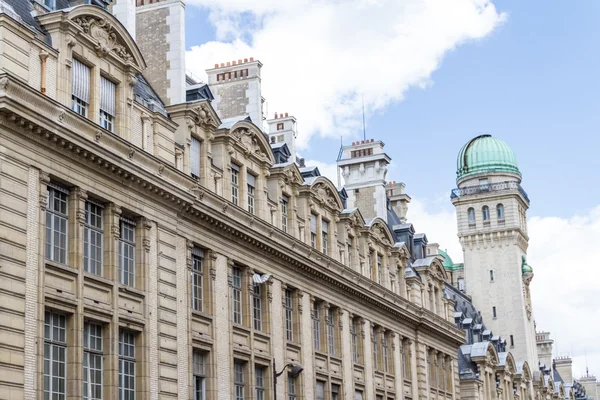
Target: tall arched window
x: 485, y: 211
x: 471, y: 216
x: 500, y: 210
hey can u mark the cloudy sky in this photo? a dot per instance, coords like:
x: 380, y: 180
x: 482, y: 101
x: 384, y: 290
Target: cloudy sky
x: 432, y: 74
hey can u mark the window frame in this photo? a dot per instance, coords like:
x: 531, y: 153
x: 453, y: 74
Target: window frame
x: 96, y: 354
x: 313, y: 231
x: 330, y: 320
x: 257, y: 308
x: 127, y: 277
x: 54, y: 215
x: 259, y: 382
x: 235, y: 184
x: 239, y: 383
x: 195, y: 149
x: 127, y: 363
x: 89, y: 230
x: 289, y: 315
x: 325, y: 236
x: 78, y: 104
x: 485, y: 214
x: 471, y: 218
x: 291, y: 388
x: 316, y: 327
x: 236, y: 295
x: 55, y: 345
x: 284, y: 212
x: 354, y: 342
x: 197, y: 275
x: 500, y: 212
x: 199, y: 373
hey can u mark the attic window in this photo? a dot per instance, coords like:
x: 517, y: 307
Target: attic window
x: 280, y: 126
x: 51, y: 4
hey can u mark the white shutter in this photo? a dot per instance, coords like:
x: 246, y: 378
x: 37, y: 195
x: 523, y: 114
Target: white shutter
x: 324, y: 226
x: 195, y: 157
x: 107, y: 96
x: 313, y: 223
x: 81, y: 80
x: 251, y: 180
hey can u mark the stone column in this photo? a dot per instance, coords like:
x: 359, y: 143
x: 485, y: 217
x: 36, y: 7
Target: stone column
x: 222, y: 328
x: 421, y: 364
x: 278, y: 342
x: 347, y: 353
x: 150, y: 242
x: 368, y: 361
x: 183, y: 263
x: 308, y: 375
x: 398, y: 367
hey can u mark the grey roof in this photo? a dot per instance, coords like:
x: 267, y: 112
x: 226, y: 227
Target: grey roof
x: 478, y: 327
x: 399, y: 244
x: 22, y: 11
x: 424, y: 262
x: 419, y: 235
x: 285, y: 164
x: 348, y: 210
x: 145, y: 95
x: 467, y: 321
x: 479, y: 349
x: 502, y: 358
x: 278, y: 145
x: 309, y: 181
x: 227, y: 123
x: 458, y: 314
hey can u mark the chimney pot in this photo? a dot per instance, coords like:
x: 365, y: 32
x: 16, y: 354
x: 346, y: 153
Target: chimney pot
x: 251, y: 59
x: 228, y: 63
x: 372, y: 140
x: 280, y: 115
x: 286, y: 114
x: 275, y: 115
x: 233, y: 62
x: 240, y: 61
x: 245, y: 60
x: 353, y: 143
x: 217, y: 65
x: 222, y: 65
x: 362, y: 142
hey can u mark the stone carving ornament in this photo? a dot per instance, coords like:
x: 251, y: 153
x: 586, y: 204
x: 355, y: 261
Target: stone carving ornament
x: 103, y: 33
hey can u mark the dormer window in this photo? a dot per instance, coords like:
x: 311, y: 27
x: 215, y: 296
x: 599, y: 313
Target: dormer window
x: 81, y: 88
x: 325, y: 237
x: 235, y: 176
x: 107, y: 104
x: 313, y: 231
x: 280, y: 126
x: 195, y: 158
x: 50, y: 4
x: 251, y: 179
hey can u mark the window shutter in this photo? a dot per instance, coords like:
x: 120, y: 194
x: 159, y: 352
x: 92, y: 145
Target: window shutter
x: 107, y: 96
x: 313, y: 223
x: 195, y: 157
x: 197, y: 251
x: 251, y: 180
x: 325, y: 226
x: 81, y: 80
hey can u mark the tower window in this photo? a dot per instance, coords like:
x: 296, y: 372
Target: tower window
x: 500, y: 212
x: 491, y: 275
x: 512, y: 341
x: 485, y: 212
x: 280, y: 126
x: 471, y: 216
x: 494, y: 311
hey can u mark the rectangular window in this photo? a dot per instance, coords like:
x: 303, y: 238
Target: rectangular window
x: 313, y: 231
x: 127, y: 253
x: 324, y: 238
x: 406, y: 372
x: 81, y: 87
x: 335, y: 391
x: 289, y: 316
x: 238, y: 379
x: 93, y: 238
x: 494, y: 311
x: 195, y: 158
x: 257, y: 307
x: 56, y: 224
x: 370, y: 261
x: 316, y: 328
x: 491, y: 275
x: 259, y: 384
x: 235, y: 177
x: 375, y: 350
x: 108, y: 92
x: 320, y: 390
x: 92, y: 361
x: 51, y: 4
x: 251, y: 185
x: 384, y: 343
x: 512, y: 341
x: 55, y: 355
x: 199, y: 371
x: 126, y: 365
x: 284, y: 213
x: 237, y: 294
x: 350, y: 251
x: 354, y: 332
x: 331, y: 332
x: 197, y: 279
x: 280, y: 126
x: 379, y: 270
x: 358, y: 395
x: 291, y: 388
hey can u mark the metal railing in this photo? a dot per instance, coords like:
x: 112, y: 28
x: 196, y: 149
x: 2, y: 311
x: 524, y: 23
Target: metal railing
x: 487, y: 188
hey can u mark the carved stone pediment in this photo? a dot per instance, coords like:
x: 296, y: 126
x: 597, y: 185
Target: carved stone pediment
x: 103, y: 33
x: 204, y: 116
x: 325, y: 196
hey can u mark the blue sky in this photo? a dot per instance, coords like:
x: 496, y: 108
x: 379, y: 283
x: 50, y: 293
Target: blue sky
x: 529, y: 77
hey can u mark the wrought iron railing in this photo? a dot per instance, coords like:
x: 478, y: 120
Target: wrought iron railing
x: 489, y: 187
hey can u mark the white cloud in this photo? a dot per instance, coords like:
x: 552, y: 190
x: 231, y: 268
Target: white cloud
x: 320, y: 57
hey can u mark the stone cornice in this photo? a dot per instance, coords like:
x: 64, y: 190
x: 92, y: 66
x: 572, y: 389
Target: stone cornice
x: 42, y: 119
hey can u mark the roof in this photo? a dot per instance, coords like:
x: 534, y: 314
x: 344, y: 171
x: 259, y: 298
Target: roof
x: 22, y: 11
x: 227, y: 123
x: 483, y: 154
x: 423, y: 262
x: 145, y: 95
x: 479, y: 349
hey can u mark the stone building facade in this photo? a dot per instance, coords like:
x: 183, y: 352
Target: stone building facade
x: 151, y: 251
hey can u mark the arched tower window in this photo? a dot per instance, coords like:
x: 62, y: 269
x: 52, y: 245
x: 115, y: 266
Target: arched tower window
x: 485, y: 211
x: 500, y: 211
x: 471, y: 216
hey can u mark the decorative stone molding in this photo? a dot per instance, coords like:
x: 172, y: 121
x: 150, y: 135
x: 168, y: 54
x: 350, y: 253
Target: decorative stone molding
x: 102, y: 32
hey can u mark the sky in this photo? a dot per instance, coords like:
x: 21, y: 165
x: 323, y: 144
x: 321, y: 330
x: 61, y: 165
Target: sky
x: 432, y: 74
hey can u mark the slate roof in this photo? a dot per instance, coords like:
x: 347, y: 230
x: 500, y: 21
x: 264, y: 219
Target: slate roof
x: 23, y: 10
x: 145, y: 95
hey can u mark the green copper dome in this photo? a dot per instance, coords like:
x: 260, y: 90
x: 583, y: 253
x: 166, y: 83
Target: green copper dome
x: 526, y: 269
x: 485, y: 154
x: 448, y: 263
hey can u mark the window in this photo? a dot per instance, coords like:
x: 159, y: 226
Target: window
x: 500, y: 212
x: 485, y: 212
x: 471, y: 216
x: 107, y: 104
x: 324, y: 238
x: 93, y: 237
x: 80, y: 95
x: 374, y: 344
x: 56, y: 224
x: 335, y: 391
x: 494, y: 311
x: 331, y: 331
x: 461, y: 284
x: 316, y: 328
x: 280, y: 126
x: 512, y: 341
x: 284, y: 213
x: 92, y: 361
x: 354, y: 333
x: 51, y: 4
x: 199, y: 370
x: 386, y: 361
x: 483, y: 183
x: 350, y: 250
x: 358, y: 395
x: 257, y: 307
x: 238, y: 379
x: 197, y: 279
x: 55, y: 355
x: 370, y: 261
x: 289, y: 316
x: 126, y: 365
x: 251, y: 185
x: 491, y: 275
x: 235, y: 175
x: 259, y: 373
x: 280, y: 139
x: 195, y: 158
x: 404, y: 355
x: 237, y: 294
x: 127, y: 253
x: 379, y: 270
x: 320, y: 390
x: 313, y: 231
x: 291, y: 388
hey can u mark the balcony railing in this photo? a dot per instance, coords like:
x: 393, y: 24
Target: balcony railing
x: 487, y: 188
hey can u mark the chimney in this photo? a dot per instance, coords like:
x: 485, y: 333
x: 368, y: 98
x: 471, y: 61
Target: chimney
x: 160, y: 32
x: 398, y: 199
x: 124, y: 11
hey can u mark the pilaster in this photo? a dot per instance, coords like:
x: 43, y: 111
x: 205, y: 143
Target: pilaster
x: 222, y: 330
x: 308, y: 375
